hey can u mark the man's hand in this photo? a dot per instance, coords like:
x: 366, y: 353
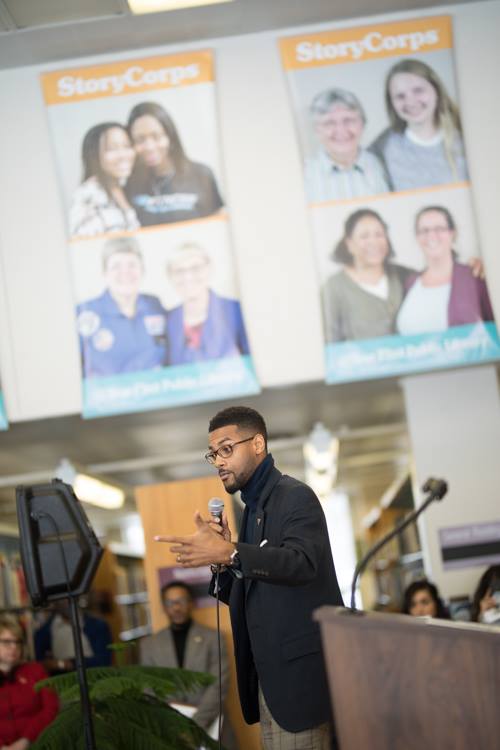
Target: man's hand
x: 221, y: 528
x: 487, y: 602
x: 205, y: 547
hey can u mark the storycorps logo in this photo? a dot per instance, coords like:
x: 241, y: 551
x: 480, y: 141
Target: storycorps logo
x: 367, y: 43
x: 130, y: 76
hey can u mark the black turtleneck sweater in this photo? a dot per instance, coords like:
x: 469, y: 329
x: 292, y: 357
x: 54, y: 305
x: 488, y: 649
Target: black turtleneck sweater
x: 251, y: 492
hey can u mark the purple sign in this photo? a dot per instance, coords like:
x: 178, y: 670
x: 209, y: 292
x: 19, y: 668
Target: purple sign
x: 470, y: 546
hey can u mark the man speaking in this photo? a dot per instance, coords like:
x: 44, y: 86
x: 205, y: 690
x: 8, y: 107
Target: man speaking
x: 273, y: 578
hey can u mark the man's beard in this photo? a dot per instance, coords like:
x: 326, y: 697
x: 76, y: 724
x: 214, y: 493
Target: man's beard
x: 233, y: 485
x: 237, y: 481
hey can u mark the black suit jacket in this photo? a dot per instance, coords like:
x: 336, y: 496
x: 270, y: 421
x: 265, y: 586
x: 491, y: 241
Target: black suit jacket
x: 288, y: 573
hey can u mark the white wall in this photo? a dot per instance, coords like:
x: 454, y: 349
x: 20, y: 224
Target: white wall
x: 38, y: 350
x: 454, y: 424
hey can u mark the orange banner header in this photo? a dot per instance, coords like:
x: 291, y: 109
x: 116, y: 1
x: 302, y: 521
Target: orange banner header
x: 127, y: 77
x: 366, y: 42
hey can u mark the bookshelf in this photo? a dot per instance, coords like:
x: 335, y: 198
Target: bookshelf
x: 131, y: 596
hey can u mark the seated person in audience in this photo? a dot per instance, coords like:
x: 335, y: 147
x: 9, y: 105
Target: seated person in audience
x: 421, y: 598
x: 24, y: 712
x: 486, y: 599
x: 54, y: 641
x: 189, y: 645
x: 342, y: 168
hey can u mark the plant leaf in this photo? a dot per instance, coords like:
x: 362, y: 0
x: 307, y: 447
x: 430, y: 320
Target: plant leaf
x: 64, y: 731
x: 164, y: 681
x: 160, y: 719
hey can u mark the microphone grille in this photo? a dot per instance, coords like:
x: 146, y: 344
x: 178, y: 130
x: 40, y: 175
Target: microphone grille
x: 215, y: 505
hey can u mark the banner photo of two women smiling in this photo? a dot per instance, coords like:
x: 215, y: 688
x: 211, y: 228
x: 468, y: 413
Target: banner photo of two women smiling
x: 387, y: 185
x: 158, y: 315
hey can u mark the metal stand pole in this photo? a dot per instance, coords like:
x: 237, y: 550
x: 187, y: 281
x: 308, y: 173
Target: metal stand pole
x: 88, y: 727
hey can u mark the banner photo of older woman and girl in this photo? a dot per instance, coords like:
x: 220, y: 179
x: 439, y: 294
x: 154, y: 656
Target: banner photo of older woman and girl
x: 158, y: 317
x: 387, y: 184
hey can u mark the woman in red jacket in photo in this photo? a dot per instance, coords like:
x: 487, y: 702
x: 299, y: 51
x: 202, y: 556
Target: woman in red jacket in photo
x: 24, y: 712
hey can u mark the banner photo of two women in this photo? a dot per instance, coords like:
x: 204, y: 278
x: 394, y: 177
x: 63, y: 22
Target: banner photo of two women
x: 157, y: 309
x: 387, y: 185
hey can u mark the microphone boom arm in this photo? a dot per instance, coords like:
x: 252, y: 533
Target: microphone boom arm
x: 437, y: 489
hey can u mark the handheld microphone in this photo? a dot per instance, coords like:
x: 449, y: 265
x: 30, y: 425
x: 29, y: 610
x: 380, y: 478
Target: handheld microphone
x: 216, y: 508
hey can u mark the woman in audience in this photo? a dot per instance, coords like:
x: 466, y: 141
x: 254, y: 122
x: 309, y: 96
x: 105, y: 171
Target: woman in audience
x: 166, y: 186
x: 100, y: 205
x: 486, y: 599
x: 422, y: 598
x: 423, y: 145
x: 24, y: 712
x: 446, y: 293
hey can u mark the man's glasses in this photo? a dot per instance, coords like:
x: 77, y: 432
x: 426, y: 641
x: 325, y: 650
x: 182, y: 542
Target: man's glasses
x: 224, y: 451
x: 9, y: 642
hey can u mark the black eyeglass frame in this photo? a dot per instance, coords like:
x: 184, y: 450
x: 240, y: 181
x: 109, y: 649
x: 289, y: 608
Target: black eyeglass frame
x: 211, y: 456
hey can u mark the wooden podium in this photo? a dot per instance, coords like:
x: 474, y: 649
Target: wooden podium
x: 409, y: 683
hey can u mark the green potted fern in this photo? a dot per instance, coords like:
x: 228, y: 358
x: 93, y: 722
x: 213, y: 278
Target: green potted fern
x: 129, y: 710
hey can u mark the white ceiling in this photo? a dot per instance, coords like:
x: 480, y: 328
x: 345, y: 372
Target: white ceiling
x: 39, y: 31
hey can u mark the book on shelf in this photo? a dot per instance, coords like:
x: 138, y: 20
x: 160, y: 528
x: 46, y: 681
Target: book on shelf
x: 13, y: 591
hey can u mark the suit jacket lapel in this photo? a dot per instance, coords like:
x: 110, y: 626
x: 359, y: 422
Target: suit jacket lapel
x: 260, y: 514
x: 165, y: 649
x: 192, y: 648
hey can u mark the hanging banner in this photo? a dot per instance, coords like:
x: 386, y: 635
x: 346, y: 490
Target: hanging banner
x: 387, y: 184
x: 157, y: 310
x: 4, y: 424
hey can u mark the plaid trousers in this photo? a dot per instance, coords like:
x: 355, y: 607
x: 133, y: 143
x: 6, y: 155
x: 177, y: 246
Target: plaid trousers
x: 273, y: 737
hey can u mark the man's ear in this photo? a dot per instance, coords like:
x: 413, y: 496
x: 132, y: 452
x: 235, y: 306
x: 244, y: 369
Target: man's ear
x: 260, y: 444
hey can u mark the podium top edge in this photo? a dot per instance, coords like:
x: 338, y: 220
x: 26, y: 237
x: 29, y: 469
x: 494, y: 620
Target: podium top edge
x: 345, y: 616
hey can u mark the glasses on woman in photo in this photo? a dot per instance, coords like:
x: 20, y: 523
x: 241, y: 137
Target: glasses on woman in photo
x: 425, y: 231
x: 10, y: 642
x: 225, y: 450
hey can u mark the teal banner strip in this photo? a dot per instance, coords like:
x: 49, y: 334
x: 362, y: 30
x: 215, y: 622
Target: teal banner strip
x: 4, y: 425
x: 397, y: 355
x: 169, y: 386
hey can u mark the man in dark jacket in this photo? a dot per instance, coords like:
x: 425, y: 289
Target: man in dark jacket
x: 274, y: 577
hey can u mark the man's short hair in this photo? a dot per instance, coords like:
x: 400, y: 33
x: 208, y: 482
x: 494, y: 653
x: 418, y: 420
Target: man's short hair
x: 243, y: 417
x: 179, y: 585
x: 325, y: 100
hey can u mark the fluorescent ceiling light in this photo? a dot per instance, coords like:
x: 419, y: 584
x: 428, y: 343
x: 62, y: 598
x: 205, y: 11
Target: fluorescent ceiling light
x: 159, y: 6
x: 93, y: 491
x: 90, y: 489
